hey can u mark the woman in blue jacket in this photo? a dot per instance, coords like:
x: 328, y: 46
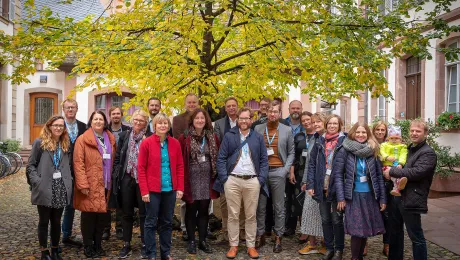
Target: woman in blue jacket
x: 320, y: 185
x: 359, y: 187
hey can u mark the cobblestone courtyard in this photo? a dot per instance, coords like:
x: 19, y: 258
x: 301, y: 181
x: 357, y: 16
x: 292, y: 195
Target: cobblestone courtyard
x: 18, y: 235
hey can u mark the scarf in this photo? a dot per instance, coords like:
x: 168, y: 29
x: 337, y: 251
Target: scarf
x: 195, y: 145
x: 135, y: 141
x: 362, y: 150
x: 331, y: 143
x: 105, y: 147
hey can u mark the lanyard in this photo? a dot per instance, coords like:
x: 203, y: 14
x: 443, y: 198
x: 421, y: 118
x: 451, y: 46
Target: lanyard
x: 104, y: 148
x: 273, y: 137
x: 362, y: 162
x: 307, y: 140
x: 329, y: 158
x: 245, y: 148
x: 57, y: 156
x: 202, y: 144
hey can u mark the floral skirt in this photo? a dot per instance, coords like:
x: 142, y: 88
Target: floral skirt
x: 311, y: 219
x: 362, y: 216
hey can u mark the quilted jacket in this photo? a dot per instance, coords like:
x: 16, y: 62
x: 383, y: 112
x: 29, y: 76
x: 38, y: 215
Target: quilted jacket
x: 419, y: 170
x: 317, y: 168
x: 344, y: 174
x: 87, y: 164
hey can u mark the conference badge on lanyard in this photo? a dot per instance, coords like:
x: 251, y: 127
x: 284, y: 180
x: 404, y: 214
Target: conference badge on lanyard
x: 270, y: 150
x: 201, y: 156
x: 362, y: 162
x: 56, y: 159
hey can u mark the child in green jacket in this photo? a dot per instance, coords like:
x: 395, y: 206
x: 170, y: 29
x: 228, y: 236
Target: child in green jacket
x: 394, y: 154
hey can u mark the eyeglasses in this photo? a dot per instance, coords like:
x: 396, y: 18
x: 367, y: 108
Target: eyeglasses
x: 244, y: 119
x: 273, y: 111
x: 58, y: 126
x: 70, y: 108
x: 139, y: 121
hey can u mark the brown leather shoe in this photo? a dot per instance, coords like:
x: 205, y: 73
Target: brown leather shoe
x: 260, y: 241
x: 386, y: 249
x: 365, y: 250
x: 252, y: 252
x: 277, y: 247
x: 232, y: 252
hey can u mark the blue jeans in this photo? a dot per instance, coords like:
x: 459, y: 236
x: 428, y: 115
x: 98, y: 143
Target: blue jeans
x: 67, y: 219
x: 399, y: 217
x: 160, y: 210
x: 333, y: 230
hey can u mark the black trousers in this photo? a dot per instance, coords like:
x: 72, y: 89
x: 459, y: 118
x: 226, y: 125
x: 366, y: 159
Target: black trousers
x: 92, y: 227
x: 130, y: 198
x: 49, y: 216
x: 196, y: 214
x: 293, y: 208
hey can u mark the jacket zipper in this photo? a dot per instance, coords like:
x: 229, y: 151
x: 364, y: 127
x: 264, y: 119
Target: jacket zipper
x: 372, y: 181
x: 353, y: 180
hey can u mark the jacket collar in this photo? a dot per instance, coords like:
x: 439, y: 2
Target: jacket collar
x: 414, y: 148
x: 89, y: 139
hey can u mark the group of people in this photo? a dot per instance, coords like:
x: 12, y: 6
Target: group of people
x: 267, y: 175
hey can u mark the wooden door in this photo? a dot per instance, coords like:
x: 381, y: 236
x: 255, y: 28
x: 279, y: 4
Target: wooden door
x: 413, y: 96
x: 42, y: 107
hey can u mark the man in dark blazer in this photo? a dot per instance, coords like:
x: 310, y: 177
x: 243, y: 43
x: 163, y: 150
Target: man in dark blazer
x: 223, y: 125
x: 75, y: 129
x: 407, y: 209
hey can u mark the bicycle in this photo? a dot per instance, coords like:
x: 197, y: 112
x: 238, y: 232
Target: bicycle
x: 5, y: 166
x: 15, y: 160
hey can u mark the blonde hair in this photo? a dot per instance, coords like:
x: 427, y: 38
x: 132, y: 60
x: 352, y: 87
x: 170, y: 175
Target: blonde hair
x: 71, y: 101
x: 139, y: 112
x: 420, y: 122
x: 377, y: 124
x: 161, y: 117
x: 371, y: 141
x: 48, y: 143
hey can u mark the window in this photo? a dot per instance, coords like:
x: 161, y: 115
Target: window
x: 452, y: 82
x: 381, y: 103
x: 413, y: 65
x: 7, y: 9
x: 105, y: 101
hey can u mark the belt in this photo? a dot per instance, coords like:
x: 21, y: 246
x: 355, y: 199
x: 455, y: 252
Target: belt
x: 244, y: 177
x: 273, y: 167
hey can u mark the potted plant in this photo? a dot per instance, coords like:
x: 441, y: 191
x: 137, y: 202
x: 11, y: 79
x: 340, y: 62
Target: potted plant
x: 449, y: 122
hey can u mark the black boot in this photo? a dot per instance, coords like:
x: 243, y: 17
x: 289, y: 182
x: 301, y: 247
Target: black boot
x: 205, y: 247
x: 328, y: 256
x: 45, y: 255
x: 89, y: 251
x: 98, y: 251
x: 338, y: 255
x: 191, y: 248
x: 125, y: 251
x: 55, y: 254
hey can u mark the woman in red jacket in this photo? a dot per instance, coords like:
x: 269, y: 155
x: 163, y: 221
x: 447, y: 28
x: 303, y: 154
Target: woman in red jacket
x: 161, y: 181
x: 200, y: 148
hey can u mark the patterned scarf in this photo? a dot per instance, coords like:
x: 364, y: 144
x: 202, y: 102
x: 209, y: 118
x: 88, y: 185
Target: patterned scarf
x: 195, y: 145
x: 362, y: 150
x: 331, y: 143
x: 135, y: 141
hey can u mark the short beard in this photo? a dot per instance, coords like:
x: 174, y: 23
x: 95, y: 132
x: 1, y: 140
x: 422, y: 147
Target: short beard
x: 295, y: 116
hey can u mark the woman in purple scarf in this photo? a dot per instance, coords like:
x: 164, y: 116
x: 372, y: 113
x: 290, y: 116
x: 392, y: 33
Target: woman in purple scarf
x: 93, y: 159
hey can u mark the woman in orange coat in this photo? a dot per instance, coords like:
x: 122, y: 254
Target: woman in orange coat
x: 93, y: 158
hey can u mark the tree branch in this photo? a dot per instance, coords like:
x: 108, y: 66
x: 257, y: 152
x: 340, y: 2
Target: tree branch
x: 186, y: 84
x: 243, y: 53
x: 222, y: 39
x: 235, y: 68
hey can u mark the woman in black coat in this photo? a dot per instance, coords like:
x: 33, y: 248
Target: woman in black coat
x: 126, y: 186
x: 359, y: 187
x: 48, y: 173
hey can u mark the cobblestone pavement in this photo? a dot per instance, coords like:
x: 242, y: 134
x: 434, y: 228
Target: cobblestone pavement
x: 18, y: 235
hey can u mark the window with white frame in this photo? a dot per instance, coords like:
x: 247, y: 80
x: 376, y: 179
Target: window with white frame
x: 7, y: 9
x: 381, y: 103
x: 452, y: 81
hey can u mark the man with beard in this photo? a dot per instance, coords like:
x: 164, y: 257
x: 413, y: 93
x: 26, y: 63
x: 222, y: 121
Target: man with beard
x: 280, y: 151
x: 263, y: 108
x: 242, y: 168
x: 115, y: 127
x: 295, y: 109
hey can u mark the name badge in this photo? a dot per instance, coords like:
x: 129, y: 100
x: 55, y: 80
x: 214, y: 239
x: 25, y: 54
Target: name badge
x: 57, y: 175
x: 270, y: 151
x: 328, y: 172
x: 106, y: 156
x: 305, y: 153
x: 201, y: 158
x: 363, y: 179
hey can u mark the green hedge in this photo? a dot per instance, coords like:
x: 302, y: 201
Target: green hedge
x: 11, y: 145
